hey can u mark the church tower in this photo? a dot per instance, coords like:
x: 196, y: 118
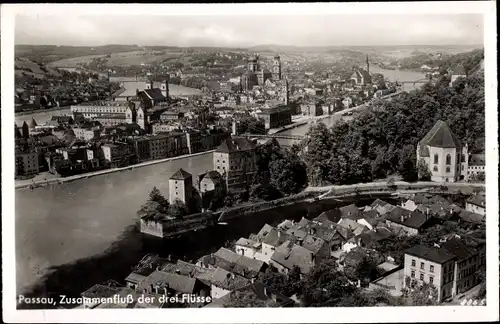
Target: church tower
x: 276, y: 68
x: 367, y: 64
x: 164, y: 88
x: 287, y: 91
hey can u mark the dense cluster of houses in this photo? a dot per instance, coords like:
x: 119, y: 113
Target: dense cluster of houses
x: 347, y: 234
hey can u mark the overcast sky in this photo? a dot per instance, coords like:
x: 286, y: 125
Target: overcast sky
x: 242, y: 31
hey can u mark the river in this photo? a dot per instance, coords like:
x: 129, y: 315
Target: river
x: 58, y: 224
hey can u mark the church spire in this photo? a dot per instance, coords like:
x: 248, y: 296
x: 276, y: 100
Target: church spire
x: 367, y: 64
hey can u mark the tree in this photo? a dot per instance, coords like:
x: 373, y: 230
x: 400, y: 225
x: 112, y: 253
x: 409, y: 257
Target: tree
x: 177, y: 209
x: 420, y: 294
x: 264, y: 192
x: 155, y: 207
x: 367, y: 270
x: 155, y: 195
x: 391, y: 184
x: 326, y: 286
x: 288, y: 174
x: 218, y: 197
x: 424, y: 174
x: 229, y: 200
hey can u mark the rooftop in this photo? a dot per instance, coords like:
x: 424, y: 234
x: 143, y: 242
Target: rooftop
x: 430, y: 253
x: 181, y: 174
x: 441, y: 136
x: 235, y: 144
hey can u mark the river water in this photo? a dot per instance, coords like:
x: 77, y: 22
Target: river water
x: 59, y: 224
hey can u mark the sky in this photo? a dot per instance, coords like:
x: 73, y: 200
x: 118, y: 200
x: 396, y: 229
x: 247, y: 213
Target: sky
x: 247, y: 31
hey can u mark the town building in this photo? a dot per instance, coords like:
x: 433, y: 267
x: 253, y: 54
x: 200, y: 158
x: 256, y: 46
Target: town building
x: 469, y: 261
x: 476, y: 204
x: 441, y: 150
x: 276, y: 116
x: 411, y: 222
x: 180, y: 187
x: 27, y: 163
x: 87, y: 134
x: 257, y: 76
x: 94, y: 110
x: 236, y: 160
x: 431, y: 265
x: 476, y: 167
x: 115, y: 154
x: 289, y: 255
x: 361, y: 76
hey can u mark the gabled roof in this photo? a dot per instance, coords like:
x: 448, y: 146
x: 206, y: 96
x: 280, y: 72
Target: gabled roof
x: 294, y: 256
x: 154, y: 94
x: 33, y: 123
x: 457, y: 247
x: 173, y: 281
x: 413, y: 219
x: 181, y: 174
x: 235, y: 144
x: 332, y: 215
x: 351, y: 212
x: 477, y: 200
x: 430, y: 253
x: 441, y: 136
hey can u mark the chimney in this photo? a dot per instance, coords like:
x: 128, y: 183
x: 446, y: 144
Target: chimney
x: 313, y: 258
x: 232, y: 275
x: 177, y: 271
x: 279, y: 233
x: 402, y: 218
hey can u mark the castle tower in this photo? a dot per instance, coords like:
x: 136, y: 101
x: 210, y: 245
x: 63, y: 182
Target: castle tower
x: 180, y: 187
x: 276, y: 68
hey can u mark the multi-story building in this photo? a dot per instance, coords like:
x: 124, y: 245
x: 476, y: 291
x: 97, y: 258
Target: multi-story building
x: 86, y: 134
x: 441, y: 150
x: 26, y: 163
x: 476, y: 167
x: 180, y: 187
x: 468, y: 262
x: 431, y: 265
x: 236, y: 160
x: 452, y: 267
x: 114, y: 154
x: 276, y: 116
x: 125, y: 110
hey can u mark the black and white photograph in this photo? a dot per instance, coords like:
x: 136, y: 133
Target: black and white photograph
x: 223, y: 157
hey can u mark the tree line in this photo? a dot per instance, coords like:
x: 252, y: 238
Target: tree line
x: 382, y: 141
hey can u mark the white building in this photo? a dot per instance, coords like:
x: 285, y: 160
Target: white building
x: 443, y: 153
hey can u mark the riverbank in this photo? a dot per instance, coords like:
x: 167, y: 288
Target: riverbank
x: 21, y: 184
x: 400, y: 185
x: 34, y: 111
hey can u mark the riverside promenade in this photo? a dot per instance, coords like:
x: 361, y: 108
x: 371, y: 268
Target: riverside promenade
x: 20, y: 184
x: 400, y: 184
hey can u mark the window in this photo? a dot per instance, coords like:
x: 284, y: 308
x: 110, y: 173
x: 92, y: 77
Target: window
x: 435, y: 169
x: 462, y: 167
x: 422, y: 265
x: 431, y: 269
x: 463, y: 158
x: 413, y: 274
x: 448, y: 169
x: 448, y: 159
x: 436, y: 159
x: 431, y: 279
x: 421, y: 276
